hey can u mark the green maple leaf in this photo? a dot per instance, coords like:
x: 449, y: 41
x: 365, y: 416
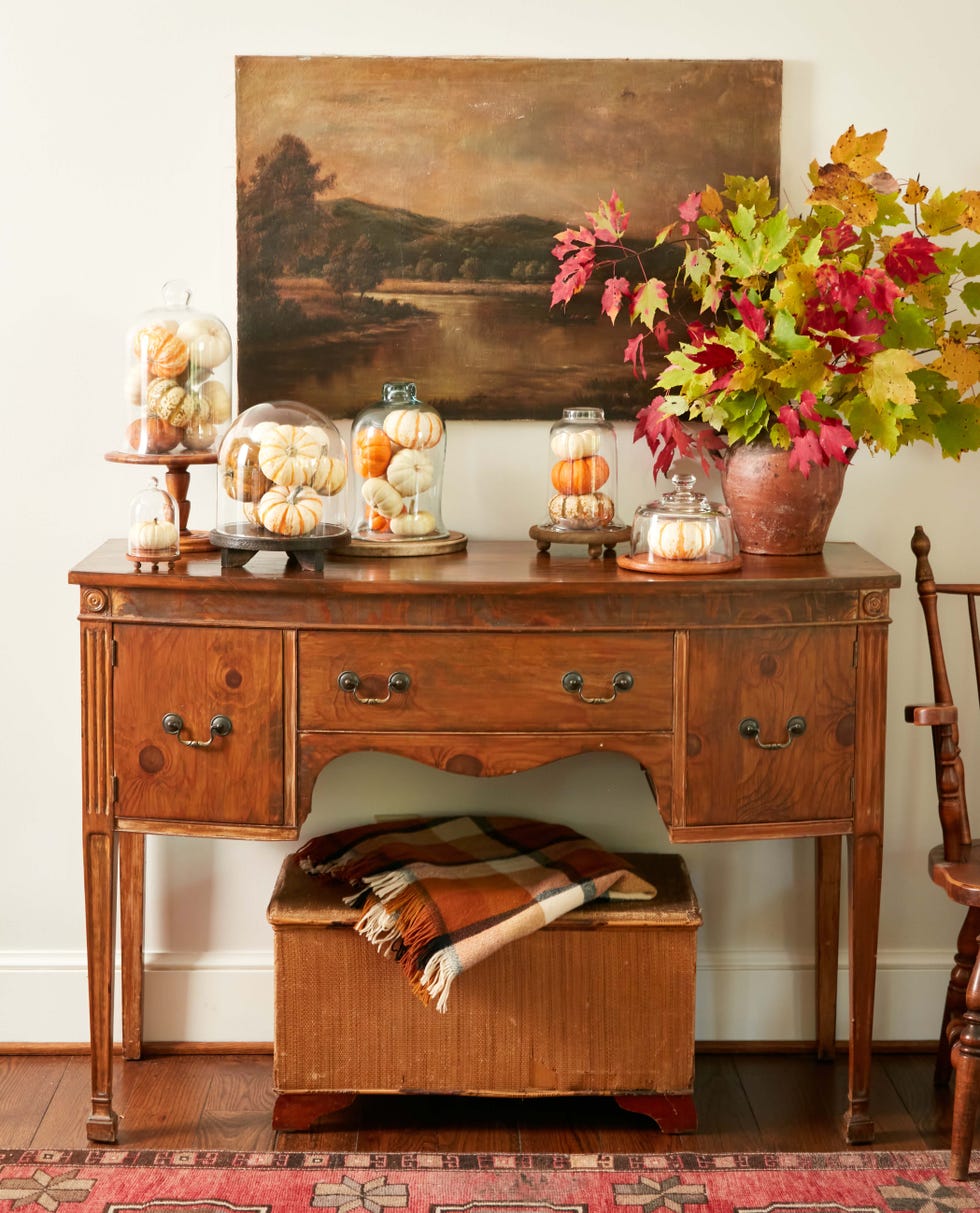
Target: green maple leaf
x: 648, y: 300
x: 746, y: 417
x: 784, y: 338
x: 908, y: 328
x: 887, y: 383
x: 968, y: 259
x: 866, y: 421
x: 959, y: 427
x: 804, y: 371
x: 941, y: 213
x: 970, y: 296
x: 754, y: 193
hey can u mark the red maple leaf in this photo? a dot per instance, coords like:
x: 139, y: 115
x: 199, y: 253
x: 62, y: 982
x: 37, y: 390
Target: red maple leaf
x: 817, y: 441
x: 912, y: 258
x: 690, y: 208
x: 662, y: 333
x: 617, y: 291
x: 836, y: 239
x: 570, y: 241
x: 753, y: 317
x: 717, y: 358
x: 574, y: 273
x: 634, y: 353
x: 664, y: 435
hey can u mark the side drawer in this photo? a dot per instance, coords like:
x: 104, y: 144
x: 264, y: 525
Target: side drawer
x: 468, y: 681
x: 198, y: 673
x: 770, y: 675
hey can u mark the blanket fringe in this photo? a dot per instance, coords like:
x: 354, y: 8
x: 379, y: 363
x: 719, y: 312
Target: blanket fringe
x: 436, y: 978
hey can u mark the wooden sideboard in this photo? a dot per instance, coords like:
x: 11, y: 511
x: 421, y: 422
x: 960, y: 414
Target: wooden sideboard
x: 213, y: 697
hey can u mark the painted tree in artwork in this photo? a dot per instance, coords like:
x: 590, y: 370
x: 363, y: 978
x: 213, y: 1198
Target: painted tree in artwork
x: 279, y: 224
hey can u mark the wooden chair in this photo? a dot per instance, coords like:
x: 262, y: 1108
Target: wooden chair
x: 955, y: 864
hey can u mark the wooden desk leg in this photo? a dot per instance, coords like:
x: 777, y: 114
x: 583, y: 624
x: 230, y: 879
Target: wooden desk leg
x: 100, y: 929
x: 828, y: 942
x: 132, y: 871
x: 864, y: 896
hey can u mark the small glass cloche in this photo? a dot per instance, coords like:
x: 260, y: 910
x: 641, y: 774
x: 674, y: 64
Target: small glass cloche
x: 282, y: 472
x: 177, y: 388
x: 154, y: 531
x: 398, y: 452
x: 682, y: 532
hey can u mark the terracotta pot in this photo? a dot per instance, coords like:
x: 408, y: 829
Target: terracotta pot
x: 776, y: 510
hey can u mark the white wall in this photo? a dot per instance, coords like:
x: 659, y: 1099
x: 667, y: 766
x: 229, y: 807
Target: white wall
x: 118, y: 172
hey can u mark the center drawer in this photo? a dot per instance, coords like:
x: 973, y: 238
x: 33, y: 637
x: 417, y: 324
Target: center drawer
x: 474, y: 682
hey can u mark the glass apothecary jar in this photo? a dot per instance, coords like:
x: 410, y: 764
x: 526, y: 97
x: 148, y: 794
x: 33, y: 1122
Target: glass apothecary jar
x: 154, y: 532
x: 178, y: 379
x: 282, y: 474
x: 398, y: 453
x: 682, y: 532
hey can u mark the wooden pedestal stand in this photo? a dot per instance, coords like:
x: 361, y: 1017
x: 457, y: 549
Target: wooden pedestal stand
x: 178, y: 480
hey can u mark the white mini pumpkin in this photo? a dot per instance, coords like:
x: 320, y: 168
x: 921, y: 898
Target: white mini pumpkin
x: 207, y: 339
x: 575, y: 444
x: 288, y: 454
x: 411, y: 526
x: 411, y: 472
x: 414, y: 428
x: 679, y: 538
x: 290, y: 509
x: 382, y: 497
x: 215, y: 395
x: 152, y: 535
x: 329, y: 475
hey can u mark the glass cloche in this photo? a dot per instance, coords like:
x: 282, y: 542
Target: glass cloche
x: 282, y: 475
x: 398, y: 451
x: 154, y: 532
x: 178, y: 379
x: 582, y: 486
x: 682, y: 532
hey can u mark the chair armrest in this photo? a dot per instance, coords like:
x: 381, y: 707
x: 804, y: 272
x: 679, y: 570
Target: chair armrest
x: 931, y: 713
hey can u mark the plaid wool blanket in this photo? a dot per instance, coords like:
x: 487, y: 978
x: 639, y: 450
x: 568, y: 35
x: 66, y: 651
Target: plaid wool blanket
x: 441, y: 894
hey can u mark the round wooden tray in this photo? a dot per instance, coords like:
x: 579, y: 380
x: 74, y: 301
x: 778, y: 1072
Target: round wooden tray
x: 595, y: 540
x: 239, y: 544
x: 455, y: 541
x: 680, y: 568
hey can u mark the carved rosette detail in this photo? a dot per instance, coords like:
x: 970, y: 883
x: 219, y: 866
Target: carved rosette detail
x: 94, y: 601
x: 874, y: 603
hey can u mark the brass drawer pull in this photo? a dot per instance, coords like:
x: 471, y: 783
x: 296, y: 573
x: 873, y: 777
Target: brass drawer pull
x: 397, y: 682
x: 220, y: 727
x: 749, y: 728
x: 573, y: 682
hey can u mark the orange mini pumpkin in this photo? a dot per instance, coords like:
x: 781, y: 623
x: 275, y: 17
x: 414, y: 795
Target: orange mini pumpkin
x: 372, y: 452
x: 577, y: 477
x: 165, y: 354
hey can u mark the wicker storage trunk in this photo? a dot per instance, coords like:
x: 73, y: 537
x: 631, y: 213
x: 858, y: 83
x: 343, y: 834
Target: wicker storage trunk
x: 600, y: 1001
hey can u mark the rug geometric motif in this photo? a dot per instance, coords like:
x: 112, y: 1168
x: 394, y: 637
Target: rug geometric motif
x: 215, y: 1181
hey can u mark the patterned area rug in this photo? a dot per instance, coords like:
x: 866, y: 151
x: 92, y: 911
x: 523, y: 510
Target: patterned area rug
x: 198, y: 1181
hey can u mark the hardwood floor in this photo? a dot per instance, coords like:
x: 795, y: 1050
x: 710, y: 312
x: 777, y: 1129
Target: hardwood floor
x: 745, y: 1102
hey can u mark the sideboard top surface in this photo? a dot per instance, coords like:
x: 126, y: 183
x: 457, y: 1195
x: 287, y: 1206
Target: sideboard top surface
x: 486, y: 567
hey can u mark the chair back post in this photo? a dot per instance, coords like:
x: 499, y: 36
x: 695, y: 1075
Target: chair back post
x: 953, y: 815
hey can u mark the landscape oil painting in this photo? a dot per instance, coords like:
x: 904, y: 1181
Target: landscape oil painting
x: 396, y: 218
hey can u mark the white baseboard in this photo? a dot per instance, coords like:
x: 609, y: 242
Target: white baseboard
x: 741, y: 996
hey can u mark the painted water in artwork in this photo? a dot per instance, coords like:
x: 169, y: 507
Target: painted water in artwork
x: 396, y: 218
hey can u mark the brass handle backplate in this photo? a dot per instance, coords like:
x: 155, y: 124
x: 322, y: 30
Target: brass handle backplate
x: 573, y: 682
x: 174, y: 724
x: 749, y: 728
x: 398, y: 682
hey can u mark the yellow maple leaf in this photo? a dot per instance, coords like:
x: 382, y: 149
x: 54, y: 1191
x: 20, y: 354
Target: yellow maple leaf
x: 959, y: 363
x: 860, y: 152
x: 886, y: 379
x: 711, y: 202
x: 971, y: 210
x: 915, y: 192
x: 840, y: 187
